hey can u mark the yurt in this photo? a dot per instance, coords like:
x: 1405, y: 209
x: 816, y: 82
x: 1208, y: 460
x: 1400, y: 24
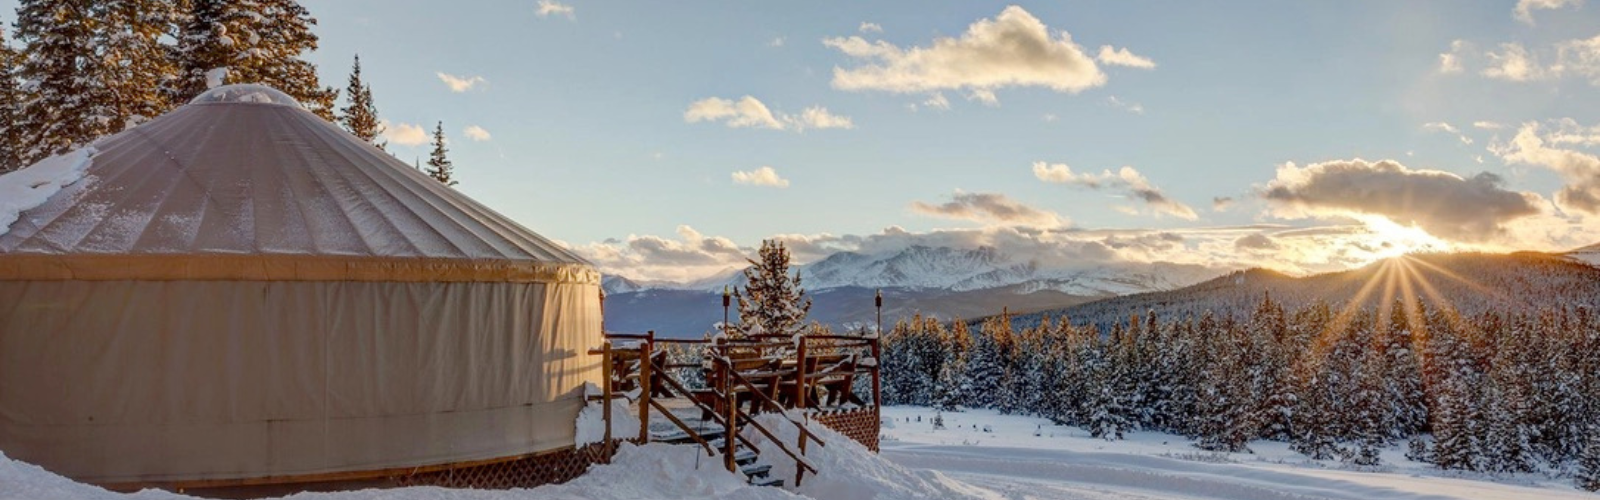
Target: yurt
x: 240, y: 293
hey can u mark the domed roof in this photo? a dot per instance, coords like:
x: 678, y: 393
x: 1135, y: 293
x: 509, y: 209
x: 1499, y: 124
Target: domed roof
x: 243, y: 183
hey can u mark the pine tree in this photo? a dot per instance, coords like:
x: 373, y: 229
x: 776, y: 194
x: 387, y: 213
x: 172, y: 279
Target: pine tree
x: 772, y: 300
x: 1588, y: 474
x: 11, y: 142
x: 986, y: 372
x: 134, y: 63
x: 252, y: 41
x: 439, y: 166
x: 63, y: 110
x: 361, y: 116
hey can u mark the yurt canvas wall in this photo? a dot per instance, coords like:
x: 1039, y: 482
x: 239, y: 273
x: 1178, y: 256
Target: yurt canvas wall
x: 239, y: 289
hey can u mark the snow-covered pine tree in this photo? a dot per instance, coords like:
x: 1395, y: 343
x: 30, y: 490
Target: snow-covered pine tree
x: 11, y: 145
x: 986, y: 371
x: 361, y: 116
x: 1406, y: 403
x: 1588, y: 473
x: 772, y: 298
x: 134, y: 61
x: 439, y: 166
x: 63, y: 110
x: 254, y: 41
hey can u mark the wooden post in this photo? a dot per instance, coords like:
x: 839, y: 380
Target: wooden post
x: 644, y: 386
x: 877, y: 362
x: 605, y: 391
x: 730, y: 409
x: 725, y: 301
x: 800, y: 400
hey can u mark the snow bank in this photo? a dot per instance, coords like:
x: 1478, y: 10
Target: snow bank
x: 592, y: 419
x: 30, y: 187
x: 846, y: 470
x: 651, y: 472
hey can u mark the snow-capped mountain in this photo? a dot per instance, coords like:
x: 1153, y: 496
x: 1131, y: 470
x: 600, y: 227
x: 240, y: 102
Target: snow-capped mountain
x: 941, y: 282
x: 960, y: 270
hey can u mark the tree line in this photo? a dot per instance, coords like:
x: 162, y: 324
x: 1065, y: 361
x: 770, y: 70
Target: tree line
x: 85, y: 69
x: 1493, y: 392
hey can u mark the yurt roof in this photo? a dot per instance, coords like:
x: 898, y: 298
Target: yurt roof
x: 243, y: 183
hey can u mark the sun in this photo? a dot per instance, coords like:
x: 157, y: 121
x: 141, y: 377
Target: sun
x: 1386, y: 239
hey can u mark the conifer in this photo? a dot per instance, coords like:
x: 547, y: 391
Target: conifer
x: 361, y: 116
x: 439, y: 166
x: 772, y: 300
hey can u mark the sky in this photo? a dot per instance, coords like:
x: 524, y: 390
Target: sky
x: 665, y: 140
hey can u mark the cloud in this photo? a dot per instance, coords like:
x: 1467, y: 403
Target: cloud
x: 1127, y: 180
x: 1132, y: 107
x: 1123, y: 57
x: 1255, y: 241
x: 1014, y: 49
x: 764, y: 176
x: 460, y: 83
x: 990, y: 208
x: 776, y: 42
x: 1443, y: 204
x: 1447, y: 128
x: 867, y: 27
x: 1450, y: 62
x: 1487, y: 125
x: 1524, y: 9
x: 749, y: 112
x: 1221, y: 203
x: 404, y: 134
x: 549, y: 8
x: 476, y: 133
x: 1580, y: 170
x: 1514, y: 62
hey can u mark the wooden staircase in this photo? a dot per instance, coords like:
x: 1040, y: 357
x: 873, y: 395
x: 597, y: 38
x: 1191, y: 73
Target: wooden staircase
x: 624, y: 368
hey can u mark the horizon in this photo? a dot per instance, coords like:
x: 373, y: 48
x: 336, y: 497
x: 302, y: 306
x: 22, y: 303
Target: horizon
x: 688, y: 133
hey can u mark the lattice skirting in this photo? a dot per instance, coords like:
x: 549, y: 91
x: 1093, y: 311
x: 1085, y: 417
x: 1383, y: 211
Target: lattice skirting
x: 525, y: 472
x: 860, y: 424
x: 556, y: 466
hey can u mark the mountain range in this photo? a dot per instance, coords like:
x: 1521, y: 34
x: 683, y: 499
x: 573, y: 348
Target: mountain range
x: 942, y: 282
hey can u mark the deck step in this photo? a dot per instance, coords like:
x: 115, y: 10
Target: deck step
x: 744, y: 456
x: 770, y: 481
x: 680, y: 437
x: 756, y: 471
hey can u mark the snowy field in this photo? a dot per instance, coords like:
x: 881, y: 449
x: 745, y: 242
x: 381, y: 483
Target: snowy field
x: 1025, y: 458
x: 978, y: 455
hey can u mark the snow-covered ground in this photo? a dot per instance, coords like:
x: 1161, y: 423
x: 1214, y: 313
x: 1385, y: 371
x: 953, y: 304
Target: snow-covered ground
x: 978, y: 455
x: 1026, y: 458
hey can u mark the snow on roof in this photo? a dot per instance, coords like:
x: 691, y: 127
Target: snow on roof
x: 30, y: 187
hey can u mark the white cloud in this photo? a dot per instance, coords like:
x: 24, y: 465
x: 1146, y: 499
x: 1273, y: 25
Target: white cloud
x: 1127, y: 180
x: 404, y: 134
x: 1580, y: 170
x: 1515, y: 62
x: 1450, y: 62
x: 1014, y: 49
x: 460, y: 83
x: 1131, y: 107
x: 1447, y: 128
x: 476, y: 133
x: 776, y: 42
x: 749, y: 112
x: 936, y: 101
x: 1524, y: 9
x: 867, y: 27
x: 1124, y: 57
x: 549, y: 8
x: 764, y: 176
x: 1487, y: 125
x: 990, y: 208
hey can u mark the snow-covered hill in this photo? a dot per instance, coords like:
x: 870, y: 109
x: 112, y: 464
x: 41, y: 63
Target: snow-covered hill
x: 1589, y: 255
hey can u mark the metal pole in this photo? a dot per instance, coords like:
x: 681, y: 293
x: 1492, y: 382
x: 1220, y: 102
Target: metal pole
x: 877, y: 352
